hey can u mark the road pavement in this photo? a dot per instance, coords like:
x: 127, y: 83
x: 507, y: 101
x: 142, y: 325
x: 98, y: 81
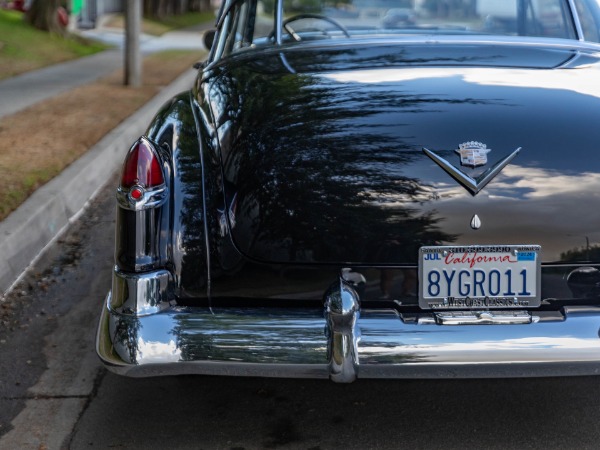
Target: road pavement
x: 48, y: 322
x: 54, y: 393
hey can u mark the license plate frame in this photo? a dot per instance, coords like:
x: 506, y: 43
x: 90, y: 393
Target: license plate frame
x: 479, y: 276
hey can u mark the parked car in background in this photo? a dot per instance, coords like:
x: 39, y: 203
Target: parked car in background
x: 342, y: 198
x: 398, y: 18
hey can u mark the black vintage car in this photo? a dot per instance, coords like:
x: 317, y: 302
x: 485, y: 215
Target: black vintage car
x: 336, y: 198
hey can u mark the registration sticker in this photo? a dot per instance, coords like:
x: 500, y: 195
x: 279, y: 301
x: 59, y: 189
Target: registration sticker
x: 482, y: 276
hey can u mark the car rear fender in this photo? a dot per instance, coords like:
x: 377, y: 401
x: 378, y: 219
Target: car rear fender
x: 169, y: 237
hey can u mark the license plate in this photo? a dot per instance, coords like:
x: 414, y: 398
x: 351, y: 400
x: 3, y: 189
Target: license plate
x: 486, y: 276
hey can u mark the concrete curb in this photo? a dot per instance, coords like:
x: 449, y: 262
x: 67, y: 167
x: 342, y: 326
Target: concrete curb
x: 25, y: 234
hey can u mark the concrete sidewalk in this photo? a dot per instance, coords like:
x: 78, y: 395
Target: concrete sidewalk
x: 26, y: 232
x: 30, y: 88
x: 186, y: 39
x: 33, y: 87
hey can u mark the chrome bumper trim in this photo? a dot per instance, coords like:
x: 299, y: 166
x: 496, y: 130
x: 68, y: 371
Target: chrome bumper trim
x: 140, y: 294
x: 342, y: 309
x: 484, y: 317
x: 343, y: 343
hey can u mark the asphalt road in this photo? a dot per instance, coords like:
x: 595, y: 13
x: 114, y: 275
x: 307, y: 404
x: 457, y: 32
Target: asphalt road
x: 55, y: 394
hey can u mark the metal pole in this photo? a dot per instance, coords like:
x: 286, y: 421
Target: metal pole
x: 133, y: 59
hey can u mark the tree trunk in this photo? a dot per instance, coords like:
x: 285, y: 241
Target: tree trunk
x: 205, y: 6
x: 151, y: 8
x: 42, y: 14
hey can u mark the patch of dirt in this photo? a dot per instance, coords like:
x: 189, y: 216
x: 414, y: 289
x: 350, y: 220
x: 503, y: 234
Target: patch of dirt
x: 39, y: 142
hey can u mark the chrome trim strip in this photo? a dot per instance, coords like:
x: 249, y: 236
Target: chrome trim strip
x: 152, y: 198
x: 484, y: 318
x: 286, y: 63
x: 546, y: 43
x: 568, y: 44
x: 279, y: 23
x: 224, y: 10
x: 473, y: 185
x: 576, y: 21
x: 568, y: 63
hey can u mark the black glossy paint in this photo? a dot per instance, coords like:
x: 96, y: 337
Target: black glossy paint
x: 326, y: 164
x: 279, y: 180
x: 183, y: 232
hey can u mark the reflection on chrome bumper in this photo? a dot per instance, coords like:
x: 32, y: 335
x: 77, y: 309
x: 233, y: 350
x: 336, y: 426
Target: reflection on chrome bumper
x: 342, y: 343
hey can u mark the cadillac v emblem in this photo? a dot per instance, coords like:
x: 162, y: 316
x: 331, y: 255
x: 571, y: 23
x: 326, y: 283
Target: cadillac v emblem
x: 472, y: 154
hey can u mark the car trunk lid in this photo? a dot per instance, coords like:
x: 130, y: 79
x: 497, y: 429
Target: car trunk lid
x: 327, y: 166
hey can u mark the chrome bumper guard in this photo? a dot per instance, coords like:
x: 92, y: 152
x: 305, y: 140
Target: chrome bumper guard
x: 138, y: 337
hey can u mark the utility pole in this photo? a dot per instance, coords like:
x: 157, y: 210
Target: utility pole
x: 133, y: 59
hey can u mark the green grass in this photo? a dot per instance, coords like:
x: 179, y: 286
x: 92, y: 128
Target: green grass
x: 187, y: 20
x: 23, y: 48
x: 157, y: 27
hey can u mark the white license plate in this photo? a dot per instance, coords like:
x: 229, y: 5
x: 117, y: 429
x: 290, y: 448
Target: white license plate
x: 482, y: 276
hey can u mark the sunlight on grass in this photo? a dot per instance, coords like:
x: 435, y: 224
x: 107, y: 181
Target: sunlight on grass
x: 23, y: 48
x: 157, y: 27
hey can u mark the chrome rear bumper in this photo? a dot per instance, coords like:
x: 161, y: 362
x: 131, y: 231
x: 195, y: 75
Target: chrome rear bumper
x: 343, y: 342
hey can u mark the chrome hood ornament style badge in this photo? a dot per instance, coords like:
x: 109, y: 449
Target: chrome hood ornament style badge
x: 476, y: 222
x: 472, y: 154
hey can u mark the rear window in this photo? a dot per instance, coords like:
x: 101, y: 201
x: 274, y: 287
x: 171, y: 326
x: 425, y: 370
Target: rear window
x: 249, y: 24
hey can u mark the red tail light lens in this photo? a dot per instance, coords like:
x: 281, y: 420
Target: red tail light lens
x: 142, y: 167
